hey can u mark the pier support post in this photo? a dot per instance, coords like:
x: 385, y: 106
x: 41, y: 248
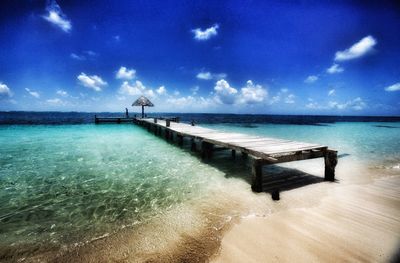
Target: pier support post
x: 166, y: 134
x: 180, y: 140
x: 256, y: 182
x: 206, y: 150
x: 192, y: 145
x: 331, y: 160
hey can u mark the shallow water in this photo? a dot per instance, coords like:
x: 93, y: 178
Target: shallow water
x: 69, y: 184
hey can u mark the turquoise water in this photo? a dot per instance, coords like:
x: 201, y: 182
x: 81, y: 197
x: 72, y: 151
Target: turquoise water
x: 75, y: 182
x: 71, y: 183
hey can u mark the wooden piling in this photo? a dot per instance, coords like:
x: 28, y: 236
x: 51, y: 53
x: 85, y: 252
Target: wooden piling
x: 180, y: 140
x: 206, y: 150
x: 256, y: 182
x: 166, y: 134
x: 192, y: 145
x: 331, y: 160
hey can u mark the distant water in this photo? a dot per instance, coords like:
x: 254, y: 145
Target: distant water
x: 83, y: 118
x: 71, y: 183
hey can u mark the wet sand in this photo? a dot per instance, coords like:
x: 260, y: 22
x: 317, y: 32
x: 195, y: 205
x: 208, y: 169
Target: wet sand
x: 356, y: 219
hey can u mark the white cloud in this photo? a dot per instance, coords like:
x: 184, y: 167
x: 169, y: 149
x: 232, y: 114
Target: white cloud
x: 62, y: 93
x: 355, y: 104
x: 90, y: 53
x: 84, y: 55
x: 335, y: 68
x: 194, y: 90
x: 77, y: 57
x: 124, y: 73
x: 92, y: 82
x: 200, y: 34
x: 56, y: 17
x: 313, y: 105
x: 33, y: 93
x: 252, y: 93
x: 289, y: 99
x: 331, y: 92
x: 209, y: 75
x: 224, y: 92
x: 4, y: 90
x: 55, y: 101
x: 135, y: 89
x: 191, y: 102
x: 204, y: 75
x: 394, y: 87
x: 161, y: 90
x: 283, y: 95
x: 311, y: 79
x: 357, y: 50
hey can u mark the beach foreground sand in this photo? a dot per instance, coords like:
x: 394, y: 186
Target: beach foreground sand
x: 353, y: 222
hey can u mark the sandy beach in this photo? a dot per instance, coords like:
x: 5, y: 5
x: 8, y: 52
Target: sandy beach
x: 354, y: 220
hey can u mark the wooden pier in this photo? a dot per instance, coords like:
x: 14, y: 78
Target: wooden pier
x: 98, y: 120
x: 262, y: 150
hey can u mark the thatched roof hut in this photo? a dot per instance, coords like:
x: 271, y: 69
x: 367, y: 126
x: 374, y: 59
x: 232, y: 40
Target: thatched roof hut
x: 143, y: 101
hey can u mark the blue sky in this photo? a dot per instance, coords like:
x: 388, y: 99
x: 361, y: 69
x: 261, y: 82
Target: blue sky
x: 267, y: 57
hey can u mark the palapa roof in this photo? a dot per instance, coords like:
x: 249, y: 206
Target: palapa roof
x: 143, y: 101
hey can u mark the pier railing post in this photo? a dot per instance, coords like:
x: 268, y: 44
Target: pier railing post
x: 167, y: 122
x: 155, y: 120
x: 331, y: 161
x: 256, y: 182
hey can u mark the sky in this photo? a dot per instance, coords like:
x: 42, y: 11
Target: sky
x: 258, y: 57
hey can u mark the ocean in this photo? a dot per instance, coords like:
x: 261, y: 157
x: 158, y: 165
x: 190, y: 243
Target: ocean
x: 66, y: 182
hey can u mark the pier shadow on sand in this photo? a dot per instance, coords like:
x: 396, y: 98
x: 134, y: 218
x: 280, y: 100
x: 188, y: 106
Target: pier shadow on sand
x: 275, y: 178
